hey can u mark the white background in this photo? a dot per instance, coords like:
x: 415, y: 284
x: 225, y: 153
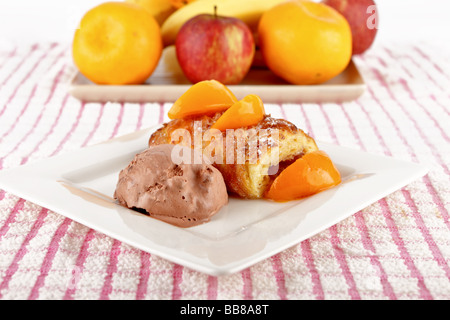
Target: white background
x: 55, y: 20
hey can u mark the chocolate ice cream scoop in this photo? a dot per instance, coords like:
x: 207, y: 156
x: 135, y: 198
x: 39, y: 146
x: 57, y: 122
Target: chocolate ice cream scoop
x: 181, y: 194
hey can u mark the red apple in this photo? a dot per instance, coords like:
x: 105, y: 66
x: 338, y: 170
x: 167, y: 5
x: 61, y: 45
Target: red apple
x: 362, y: 15
x: 211, y: 47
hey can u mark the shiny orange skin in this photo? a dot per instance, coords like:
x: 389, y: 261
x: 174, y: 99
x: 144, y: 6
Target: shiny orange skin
x: 246, y: 112
x: 312, y: 173
x: 204, y: 97
x: 117, y: 43
x: 305, y: 42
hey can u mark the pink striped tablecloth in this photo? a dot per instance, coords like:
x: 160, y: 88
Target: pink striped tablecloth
x: 396, y: 248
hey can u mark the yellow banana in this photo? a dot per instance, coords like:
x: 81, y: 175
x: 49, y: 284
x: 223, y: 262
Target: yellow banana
x: 248, y: 11
x: 159, y: 9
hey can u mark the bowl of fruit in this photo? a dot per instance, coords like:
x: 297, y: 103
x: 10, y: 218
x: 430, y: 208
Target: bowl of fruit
x: 283, y: 51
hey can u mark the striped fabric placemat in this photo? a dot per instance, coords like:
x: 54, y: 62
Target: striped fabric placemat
x: 396, y: 248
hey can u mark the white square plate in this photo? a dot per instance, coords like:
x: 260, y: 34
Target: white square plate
x: 80, y: 185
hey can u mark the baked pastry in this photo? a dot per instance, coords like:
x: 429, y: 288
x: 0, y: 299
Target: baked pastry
x: 249, y: 158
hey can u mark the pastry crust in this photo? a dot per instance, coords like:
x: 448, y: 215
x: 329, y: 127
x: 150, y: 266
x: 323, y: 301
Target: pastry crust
x: 249, y: 158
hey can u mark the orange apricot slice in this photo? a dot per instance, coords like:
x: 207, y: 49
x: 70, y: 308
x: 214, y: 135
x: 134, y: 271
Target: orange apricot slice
x: 246, y: 112
x: 311, y: 174
x: 204, y: 97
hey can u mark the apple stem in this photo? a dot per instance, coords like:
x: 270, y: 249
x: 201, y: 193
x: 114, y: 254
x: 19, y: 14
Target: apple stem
x: 215, y: 12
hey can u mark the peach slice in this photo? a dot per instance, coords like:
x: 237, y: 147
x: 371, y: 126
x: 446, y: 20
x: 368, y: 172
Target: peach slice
x: 246, y: 112
x: 204, y: 97
x: 312, y: 173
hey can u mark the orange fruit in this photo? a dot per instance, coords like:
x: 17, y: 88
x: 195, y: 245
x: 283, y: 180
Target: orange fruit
x: 117, y: 43
x: 312, y: 173
x: 204, y: 97
x: 246, y: 112
x: 305, y: 42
